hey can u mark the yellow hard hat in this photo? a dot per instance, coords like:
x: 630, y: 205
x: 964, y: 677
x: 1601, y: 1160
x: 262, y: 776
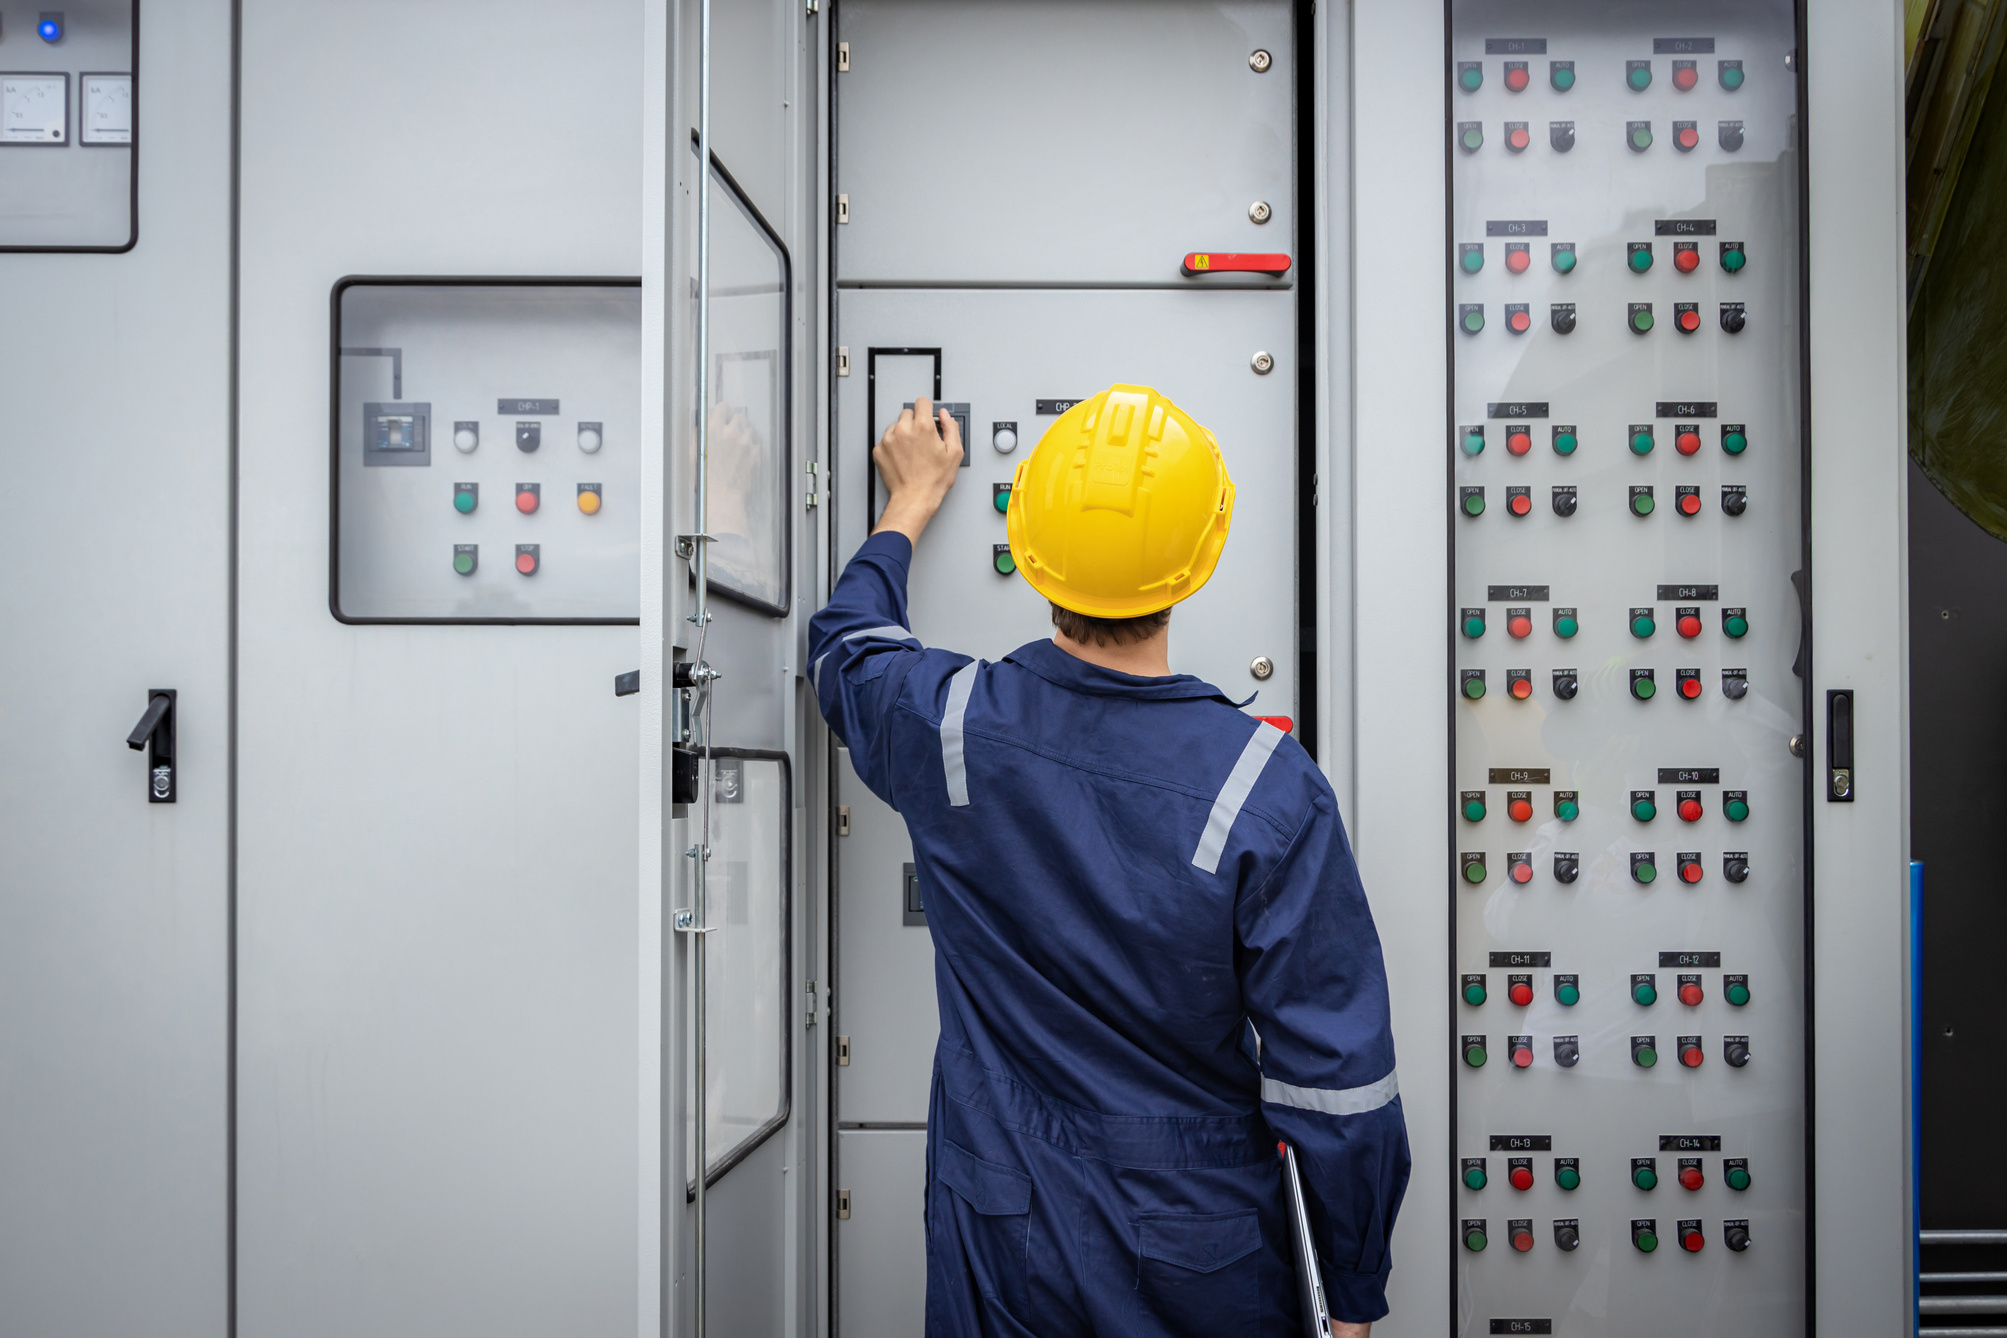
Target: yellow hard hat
x: 1123, y: 508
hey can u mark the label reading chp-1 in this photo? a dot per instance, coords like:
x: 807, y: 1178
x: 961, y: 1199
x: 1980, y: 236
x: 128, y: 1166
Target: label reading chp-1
x: 1048, y: 407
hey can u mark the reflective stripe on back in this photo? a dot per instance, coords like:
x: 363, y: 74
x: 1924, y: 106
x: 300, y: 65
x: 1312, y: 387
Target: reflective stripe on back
x: 1332, y: 1100
x: 1239, y: 784
x: 959, y: 688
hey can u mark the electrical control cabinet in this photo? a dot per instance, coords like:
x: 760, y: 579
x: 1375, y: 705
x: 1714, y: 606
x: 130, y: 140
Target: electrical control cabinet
x: 69, y: 128
x: 486, y: 451
x: 1629, y: 883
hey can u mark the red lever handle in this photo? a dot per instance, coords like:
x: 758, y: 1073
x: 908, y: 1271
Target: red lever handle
x: 1234, y: 262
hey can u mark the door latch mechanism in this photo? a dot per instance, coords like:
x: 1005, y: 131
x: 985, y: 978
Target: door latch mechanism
x: 155, y: 733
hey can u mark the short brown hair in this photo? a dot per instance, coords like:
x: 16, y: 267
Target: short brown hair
x: 1110, y: 631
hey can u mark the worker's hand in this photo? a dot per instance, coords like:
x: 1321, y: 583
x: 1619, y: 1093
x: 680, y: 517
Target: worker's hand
x: 919, y: 459
x: 1340, y: 1329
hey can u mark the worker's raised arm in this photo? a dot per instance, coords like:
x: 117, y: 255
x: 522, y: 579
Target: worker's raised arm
x: 1315, y: 988
x: 860, y: 650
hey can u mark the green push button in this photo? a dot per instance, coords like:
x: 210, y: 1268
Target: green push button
x: 1473, y: 443
x: 1562, y: 77
x: 1568, y: 1178
x: 1000, y: 499
x: 1642, y: 504
x: 1738, y: 994
x: 1738, y: 1177
x: 1645, y: 872
x: 1564, y: 261
x: 1473, y: 688
x: 1473, y: 1240
x: 1735, y: 625
x: 1567, y: 810
x: 1567, y: 996
x: 1004, y: 562
x: 1641, y: 260
x: 1640, y: 77
x: 1644, y: 810
x: 1473, y: 1055
x: 1473, y: 810
x: 1644, y: 1057
x: 463, y: 502
x: 1735, y: 443
x: 1565, y: 627
x: 1473, y: 1177
x: 1564, y: 443
x: 1736, y: 809
x: 463, y: 562
x: 1474, y: 995
x: 1472, y: 139
x: 1473, y: 627
x: 1644, y: 1177
x: 1641, y: 321
x: 1732, y: 259
x: 1645, y: 1240
x: 1473, y: 320
x: 1472, y: 260
x: 1473, y: 504
x: 1644, y: 689
x: 1643, y: 626
x: 1473, y: 872
x: 1645, y: 995
x: 1641, y: 443
x: 1471, y: 79
x: 1641, y: 137
x: 1731, y: 77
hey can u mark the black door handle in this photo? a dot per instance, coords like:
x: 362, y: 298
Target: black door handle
x: 155, y: 733
x: 1840, y: 746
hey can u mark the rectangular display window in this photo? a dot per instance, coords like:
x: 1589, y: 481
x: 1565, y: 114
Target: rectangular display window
x: 485, y: 441
x: 69, y: 129
x: 748, y: 902
x: 750, y: 420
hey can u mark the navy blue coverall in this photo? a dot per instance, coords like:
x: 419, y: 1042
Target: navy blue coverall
x: 1154, y: 960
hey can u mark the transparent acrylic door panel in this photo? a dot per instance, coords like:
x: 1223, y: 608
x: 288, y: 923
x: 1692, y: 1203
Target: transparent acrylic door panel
x: 487, y: 451
x: 1599, y: 131
x: 748, y: 898
x: 750, y: 351
x: 69, y: 128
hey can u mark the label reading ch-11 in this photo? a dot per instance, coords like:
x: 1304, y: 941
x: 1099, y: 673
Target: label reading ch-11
x: 1511, y: 959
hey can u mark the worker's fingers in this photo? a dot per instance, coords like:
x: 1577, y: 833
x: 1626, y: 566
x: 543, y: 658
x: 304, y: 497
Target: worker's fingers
x: 923, y: 411
x: 951, y: 432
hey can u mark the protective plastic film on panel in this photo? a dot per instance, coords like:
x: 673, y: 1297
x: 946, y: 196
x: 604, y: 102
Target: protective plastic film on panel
x: 748, y: 885
x: 1629, y: 883
x: 68, y: 128
x: 750, y: 421
x: 487, y: 451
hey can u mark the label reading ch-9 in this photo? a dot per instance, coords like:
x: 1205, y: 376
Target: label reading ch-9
x: 1519, y: 776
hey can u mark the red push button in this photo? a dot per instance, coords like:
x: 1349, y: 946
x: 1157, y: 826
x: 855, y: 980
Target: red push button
x: 526, y: 497
x: 1517, y: 139
x: 1519, y: 320
x: 1689, y: 504
x: 1690, y: 871
x: 1690, y: 994
x: 1690, y: 1055
x: 1522, y: 1177
x: 1515, y: 77
x: 1521, y: 993
x: 1689, y: 688
x: 1686, y: 258
x: 1519, y: 625
x: 1691, y: 1178
x: 1234, y: 262
x: 1688, y: 441
x: 1685, y: 76
x: 1687, y: 138
x: 1281, y: 722
x: 1689, y: 625
x: 1522, y: 872
x: 1518, y: 441
x: 1519, y: 504
x: 1689, y: 320
x: 1689, y: 810
x: 1690, y: 1240
x: 1520, y: 810
x: 1518, y: 258
x: 1521, y: 689
x: 1522, y: 1053
x: 526, y: 560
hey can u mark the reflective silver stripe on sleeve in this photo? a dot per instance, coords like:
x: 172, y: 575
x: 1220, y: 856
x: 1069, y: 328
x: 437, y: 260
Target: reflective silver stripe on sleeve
x: 890, y: 633
x: 1332, y: 1100
x: 959, y: 688
x: 1239, y: 784
x: 815, y: 673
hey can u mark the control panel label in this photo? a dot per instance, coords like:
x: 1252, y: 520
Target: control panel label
x: 1519, y: 776
x: 1689, y: 775
x: 1686, y: 408
x: 1679, y: 592
x: 1682, y: 46
x: 1515, y: 46
x: 1046, y: 407
x: 1678, y: 959
x: 1522, y: 1142
x: 1498, y: 594
x: 1515, y: 227
x: 1522, y: 959
x: 1516, y: 409
x: 1522, y: 1326
x: 1689, y: 1142
x: 512, y: 407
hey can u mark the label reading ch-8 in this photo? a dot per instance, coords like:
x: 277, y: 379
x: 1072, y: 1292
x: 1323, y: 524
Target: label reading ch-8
x: 1677, y: 593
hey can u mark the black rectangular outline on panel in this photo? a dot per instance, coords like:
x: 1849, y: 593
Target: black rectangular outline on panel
x: 132, y: 190
x: 341, y: 286
x: 871, y: 357
x: 785, y: 373
x: 751, y: 1142
x: 1808, y: 779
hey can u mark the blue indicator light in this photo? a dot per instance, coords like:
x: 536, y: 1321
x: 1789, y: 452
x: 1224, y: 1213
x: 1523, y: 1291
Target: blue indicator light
x: 51, y: 29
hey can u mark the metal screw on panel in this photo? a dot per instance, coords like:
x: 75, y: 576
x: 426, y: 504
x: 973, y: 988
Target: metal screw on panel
x: 1260, y: 61
x: 1262, y: 364
x: 1259, y: 211
x: 1262, y: 667
x: 1797, y: 745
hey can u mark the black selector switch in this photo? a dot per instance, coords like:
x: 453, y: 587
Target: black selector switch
x: 1735, y: 684
x: 529, y: 436
x: 1561, y: 135
x: 1733, y: 317
x: 1565, y: 684
x: 1734, y: 501
x: 1567, y: 1051
x: 1564, y: 501
x: 1735, y: 1235
x: 1735, y: 1049
x: 1562, y: 317
x: 1731, y: 136
x: 1567, y: 868
x: 1568, y: 1235
x: 1735, y: 866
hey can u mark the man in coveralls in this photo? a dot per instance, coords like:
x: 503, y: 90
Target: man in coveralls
x: 1153, y: 955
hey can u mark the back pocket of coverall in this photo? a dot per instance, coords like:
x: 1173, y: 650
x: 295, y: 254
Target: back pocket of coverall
x: 1200, y: 1273
x: 992, y: 1208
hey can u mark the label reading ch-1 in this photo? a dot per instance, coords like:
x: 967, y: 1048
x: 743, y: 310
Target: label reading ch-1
x: 1515, y: 46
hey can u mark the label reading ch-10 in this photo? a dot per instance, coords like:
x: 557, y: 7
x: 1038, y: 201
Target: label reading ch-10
x: 1689, y: 775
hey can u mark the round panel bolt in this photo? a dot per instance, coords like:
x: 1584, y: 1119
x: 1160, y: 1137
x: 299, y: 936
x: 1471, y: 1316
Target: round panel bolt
x: 1261, y: 667
x: 1260, y: 212
x: 1260, y: 61
x: 1262, y: 363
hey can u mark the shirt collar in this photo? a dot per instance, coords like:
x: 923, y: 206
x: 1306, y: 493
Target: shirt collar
x: 1055, y: 666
